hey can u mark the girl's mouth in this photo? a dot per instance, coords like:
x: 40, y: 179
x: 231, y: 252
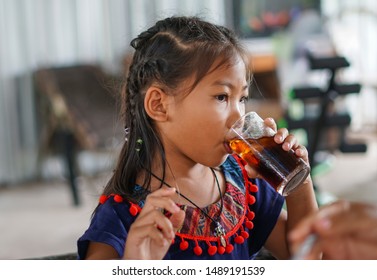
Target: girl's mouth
x: 227, y: 148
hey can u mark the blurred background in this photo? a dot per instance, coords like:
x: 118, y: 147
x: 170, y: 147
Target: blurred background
x: 62, y: 63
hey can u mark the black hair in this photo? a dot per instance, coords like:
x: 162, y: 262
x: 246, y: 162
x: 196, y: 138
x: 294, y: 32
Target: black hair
x: 170, y: 52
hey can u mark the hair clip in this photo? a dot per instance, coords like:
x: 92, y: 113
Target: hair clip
x: 139, y: 142
x: 126, y: 132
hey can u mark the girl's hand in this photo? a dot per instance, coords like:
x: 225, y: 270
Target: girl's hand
x: 151, y: 234
x: 288, y: 141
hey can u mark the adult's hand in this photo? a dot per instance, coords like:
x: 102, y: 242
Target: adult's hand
x: 344, y: 230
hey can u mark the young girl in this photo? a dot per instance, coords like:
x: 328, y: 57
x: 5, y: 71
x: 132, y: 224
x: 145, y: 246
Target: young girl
x: 176, y: 192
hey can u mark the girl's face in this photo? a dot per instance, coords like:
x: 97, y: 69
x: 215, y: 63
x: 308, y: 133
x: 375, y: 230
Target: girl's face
x: 198, y: 122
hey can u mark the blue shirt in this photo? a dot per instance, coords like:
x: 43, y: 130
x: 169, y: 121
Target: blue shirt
x: 250, y: 212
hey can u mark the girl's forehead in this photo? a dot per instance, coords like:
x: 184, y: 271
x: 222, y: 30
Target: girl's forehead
x: 220, y: 68
x: 224, y: 62
x: 224, y: 67
x: 226, y: 74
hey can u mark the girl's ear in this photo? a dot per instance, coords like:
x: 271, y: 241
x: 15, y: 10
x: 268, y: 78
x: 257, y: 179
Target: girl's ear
x: 156, y: 103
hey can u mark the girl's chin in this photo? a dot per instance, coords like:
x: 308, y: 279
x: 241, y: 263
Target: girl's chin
x: 224, y: 159
x: 217, y: 162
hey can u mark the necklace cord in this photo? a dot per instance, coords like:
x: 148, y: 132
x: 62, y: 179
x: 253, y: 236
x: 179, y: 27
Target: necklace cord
x: 220, y: 193
x: 189, y: 200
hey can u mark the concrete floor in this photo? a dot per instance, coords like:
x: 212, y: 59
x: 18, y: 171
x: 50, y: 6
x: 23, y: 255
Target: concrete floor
x: 38, y: 219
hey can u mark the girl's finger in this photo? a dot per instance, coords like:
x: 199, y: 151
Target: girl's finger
x: 177, y: 219
x: 301, y: 151
x: 156, y: 219
x: 160, y: 199
x: 150, y: 231
x: 280, y: 135
x: 290, y: 142
x: 270, y: 122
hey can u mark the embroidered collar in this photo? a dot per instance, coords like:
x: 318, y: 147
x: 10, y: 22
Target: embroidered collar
x: 236, y: 218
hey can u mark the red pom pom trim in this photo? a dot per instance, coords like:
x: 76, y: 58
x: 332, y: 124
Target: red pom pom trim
x: 118, y: 198
x: 211, y: 249
x: 198, y: 251
x: 251, y: 215
x: 183, y: 245
x: 239, y: 239
x: 103, y: 198
x: 245, y: 234
x: 133, y: 209
x: 220, y: 250
x: 251, y: 199
x: 249, y: 225
x: 253, y: 188
x: 229, y: 248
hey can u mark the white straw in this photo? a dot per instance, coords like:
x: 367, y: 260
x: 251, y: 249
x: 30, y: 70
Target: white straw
x: 305, y: 247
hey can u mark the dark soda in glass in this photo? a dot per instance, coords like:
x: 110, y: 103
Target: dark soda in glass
x: 283, y: 170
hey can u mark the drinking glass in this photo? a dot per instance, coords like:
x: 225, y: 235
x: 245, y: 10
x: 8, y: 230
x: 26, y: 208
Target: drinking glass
x: 253, y: 141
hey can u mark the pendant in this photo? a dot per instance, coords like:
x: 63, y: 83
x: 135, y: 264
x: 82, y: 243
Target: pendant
x: 220, y: 232
x: 222, y: 241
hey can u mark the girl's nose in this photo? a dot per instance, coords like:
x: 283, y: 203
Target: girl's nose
x: 236, y: 114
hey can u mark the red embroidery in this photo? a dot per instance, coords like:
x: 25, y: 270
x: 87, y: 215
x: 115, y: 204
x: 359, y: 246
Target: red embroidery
x: 236, y: 207
x: 196, y: 228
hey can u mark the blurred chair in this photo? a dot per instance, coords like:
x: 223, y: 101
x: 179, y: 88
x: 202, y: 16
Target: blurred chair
x: 76, y: 111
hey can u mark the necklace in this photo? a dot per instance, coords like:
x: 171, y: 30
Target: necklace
x: 241, y: 229
x: 217, y: 228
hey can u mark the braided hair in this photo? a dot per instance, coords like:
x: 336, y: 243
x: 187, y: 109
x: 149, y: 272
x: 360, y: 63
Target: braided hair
x: 168, y: 53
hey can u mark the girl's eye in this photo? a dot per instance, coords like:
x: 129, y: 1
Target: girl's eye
x: 244, y: 99
x: 222, y: 97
